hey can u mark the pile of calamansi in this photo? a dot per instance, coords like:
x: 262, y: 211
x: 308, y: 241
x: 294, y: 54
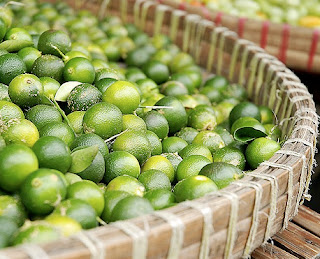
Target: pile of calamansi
x: 100, y: 122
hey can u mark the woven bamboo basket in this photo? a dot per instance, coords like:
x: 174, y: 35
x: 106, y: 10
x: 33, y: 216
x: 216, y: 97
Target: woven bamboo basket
x: 232, y: 222
x: 297, y: 47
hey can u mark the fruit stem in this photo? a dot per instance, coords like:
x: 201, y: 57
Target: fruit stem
x: 103, y: 223
x: 115, y: 136
x: 55, y: 104
x: 64, y: 57
x: 156, y: 107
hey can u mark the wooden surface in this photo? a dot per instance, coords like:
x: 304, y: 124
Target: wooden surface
x: 300, y: 240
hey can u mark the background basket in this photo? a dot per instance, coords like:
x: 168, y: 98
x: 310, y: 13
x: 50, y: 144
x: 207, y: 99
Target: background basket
x: 232, y: 222
x: 298, y: 47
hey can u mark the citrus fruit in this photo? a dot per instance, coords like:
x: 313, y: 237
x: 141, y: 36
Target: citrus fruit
x: 16, y: 163
x: 156, y: 71
x: 188, y: 134
x: 126, y: 183
x: 134, y: 74
x: 224, y: 108
x: 214, y: 95
x: 89, y: 192
x: 13, y: 209
x: 60, y: 130
x: 134, y: 142
x: 4, y: 95
x: 210, y: 139
x: 29, y: 56
x: 185, y: 79
x: 195, y: 74
x: 133, y: 122
x: 26, y: 90
x: 174, y: 88
x: 266, y: 114
x: 2, y: 143
x: 160, y: 198
x: 225, y: 135
x: 48, y: 66
x: 78, y: 210
x: 72, y: 178
x: 159, y: 163
x: 79, y: 69
x: 82, y: 97
x: 202, y: 119
x: 259, y: 150
x: 50, y: 87
x: 107, y: 73
x: 67, y: 226
x: 52, y: 153
x: 124, y: 95
x: 76, y: 120
x: 174, y: 113
x: 157, y: 123
x: 18, y: 37
x: 147, y: 87
x: 174, y: 159
x: 36, y: 233
x: 162, y: 55
x: 196, y: 149
x: 11, y: 65
x: 8, y: 229
x: 54, y: 42
x: 3, y: 28
x: 173, y: 144
x: 98, y: 63
x: 231, y: 156
x: 201, y: 99
x: 91, y: 139
x: 221, y: 173
x: 188, y: 102
x: 111, y: 198
x: 155, y: 143
x: 93, y: 171
x: 41, y: 114
x: 21, y: 132
x: 235, y: 91
x: 193, y: 187
x: 180, y: 61
x: 103, y: 119
x: 43, y: 190
x: 137, y: 57
x: 104, y: 83
x: 191, y: 166
x: 121, y: 163
x: 7, y: 15
x: 217, y: 82
x: 130, y: 207
x: 155, y: 179
x: 244, y: 109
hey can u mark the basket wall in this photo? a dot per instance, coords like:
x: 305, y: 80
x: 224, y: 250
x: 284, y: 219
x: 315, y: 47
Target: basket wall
x: 297, y: 47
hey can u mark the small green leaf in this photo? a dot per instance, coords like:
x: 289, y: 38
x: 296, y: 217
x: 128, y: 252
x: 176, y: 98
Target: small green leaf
x: 15, y: 45
x: 82, y: 158
x: 246, y: 129
x: 64, y: 90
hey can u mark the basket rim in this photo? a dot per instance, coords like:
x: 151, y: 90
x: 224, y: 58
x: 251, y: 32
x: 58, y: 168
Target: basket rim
x: 307, y: 57
x: 303, y: 113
